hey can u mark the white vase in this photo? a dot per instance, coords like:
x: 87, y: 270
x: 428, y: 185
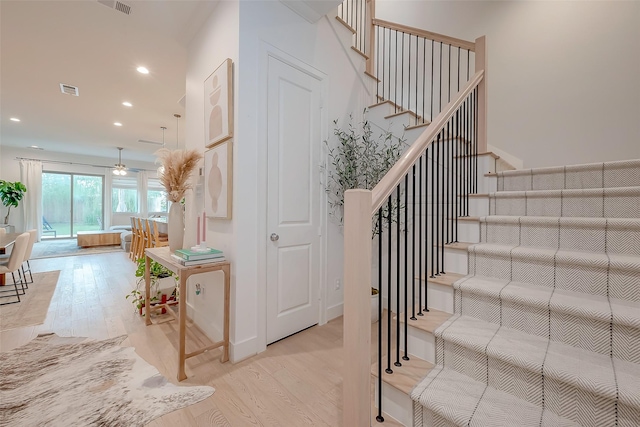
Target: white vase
x: 175, y: 227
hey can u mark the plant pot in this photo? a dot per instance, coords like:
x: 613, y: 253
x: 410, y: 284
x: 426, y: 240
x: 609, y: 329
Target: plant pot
x: 175, y: 227
x: 374, y: 307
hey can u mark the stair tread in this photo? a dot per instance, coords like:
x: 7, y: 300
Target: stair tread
x: 616, y: 164
x: 582, y: 369
x: 458, y: 398
x: 586, y: 258
x: 399, y: 113
x: 610, y: 191
x: 420, y: 125
x: 405, y: 377
x: 446, y: 279
x: 372, y: 76
x: 346, y: 25
x: 429, y: 321
x: 359, y: 52
x: 466, y: 218
x: 555, y: 220
x: 626, y: 313
x: 464, y: 246
x: 486, y: 153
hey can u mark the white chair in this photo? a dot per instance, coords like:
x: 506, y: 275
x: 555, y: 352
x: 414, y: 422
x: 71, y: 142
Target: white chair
x: 33, y: 234
x: 13, y: 265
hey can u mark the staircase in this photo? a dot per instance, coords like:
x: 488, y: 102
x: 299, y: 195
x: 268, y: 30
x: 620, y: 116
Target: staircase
x: 546, y: 325
x: 525, y: 308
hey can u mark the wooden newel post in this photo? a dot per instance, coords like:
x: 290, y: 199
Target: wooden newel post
x: 371, y: 33
x: 481, y: 64
x: 357, y: 309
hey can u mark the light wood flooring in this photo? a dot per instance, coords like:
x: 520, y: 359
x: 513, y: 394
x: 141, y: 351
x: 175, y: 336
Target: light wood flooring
x: 295, y: 382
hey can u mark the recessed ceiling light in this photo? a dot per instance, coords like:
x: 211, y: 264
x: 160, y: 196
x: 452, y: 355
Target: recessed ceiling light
x: 14, y: 119
x: 127, y: 104
x: 142, y: 70
x: 118, y: 124
x: 35, y: 147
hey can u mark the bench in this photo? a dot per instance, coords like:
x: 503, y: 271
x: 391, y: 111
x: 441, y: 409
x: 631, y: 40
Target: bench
x: 99, y: 238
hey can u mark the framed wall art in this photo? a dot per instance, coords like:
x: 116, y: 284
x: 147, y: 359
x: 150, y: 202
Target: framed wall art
x: 218, y: 180
x: 218, y: 104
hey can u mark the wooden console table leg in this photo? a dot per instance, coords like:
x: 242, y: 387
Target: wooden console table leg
x: 147, y: 290
x: 227, y: 298
x: 182, y: 321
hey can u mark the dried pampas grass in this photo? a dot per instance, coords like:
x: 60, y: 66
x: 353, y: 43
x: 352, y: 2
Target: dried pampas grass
x: 178, y: 165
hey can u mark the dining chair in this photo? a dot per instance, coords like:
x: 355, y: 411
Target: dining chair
x: 13, y: 265
x: 33, y: 235
x: 144, y: 238
x: 158, y: 241
x: 133, y: 250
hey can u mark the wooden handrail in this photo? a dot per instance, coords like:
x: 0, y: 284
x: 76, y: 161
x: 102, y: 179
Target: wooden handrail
x: 389, y: 182
x: 464, y: 44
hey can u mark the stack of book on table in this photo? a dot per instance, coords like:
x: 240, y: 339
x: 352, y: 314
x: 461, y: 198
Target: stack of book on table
x: 188, y: 257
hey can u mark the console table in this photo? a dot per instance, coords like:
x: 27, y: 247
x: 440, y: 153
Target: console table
x: 163, y: 256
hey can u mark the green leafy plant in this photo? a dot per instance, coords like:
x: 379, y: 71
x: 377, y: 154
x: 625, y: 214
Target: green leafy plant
x: 360, y: 160
x: 11, y: 194
x: 157, y: 271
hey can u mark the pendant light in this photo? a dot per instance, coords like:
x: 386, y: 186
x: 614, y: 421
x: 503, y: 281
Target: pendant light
x: 120, y: 169
x: 177, y: 116
x: 160, y: 170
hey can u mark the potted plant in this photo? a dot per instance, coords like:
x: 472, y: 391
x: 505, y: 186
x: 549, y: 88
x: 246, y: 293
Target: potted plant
x: 157, y: 272
x: 11, y: 193
x: 360, y: 160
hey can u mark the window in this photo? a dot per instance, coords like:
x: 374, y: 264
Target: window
x: 124, y: 194
x: 156, y: 197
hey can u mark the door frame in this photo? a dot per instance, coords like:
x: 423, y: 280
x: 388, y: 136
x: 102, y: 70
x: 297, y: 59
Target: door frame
x: 269, y: 51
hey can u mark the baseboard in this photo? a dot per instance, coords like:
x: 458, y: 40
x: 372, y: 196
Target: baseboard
x: 335, y: 311
x: 243, y: 349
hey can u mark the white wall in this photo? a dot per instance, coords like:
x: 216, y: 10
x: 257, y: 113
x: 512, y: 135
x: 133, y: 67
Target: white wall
x: 69, y: 163
x: 216, y: 41
x: 563, y: 75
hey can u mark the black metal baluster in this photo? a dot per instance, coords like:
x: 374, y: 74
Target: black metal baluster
x: 409, y: 77
x: 467, y: 158
x: 398, y: 241
x: 447, y: 184
x: 417, y: 82
x: 456, y: 178
x: 378, y: 44
x: 443, y: 193
x: 440, y: 78
x: 389, y: 299
x: 389, y: 69
x: 424, y: 74
x: 449, y: 76
x: 413, y: 247
x: 475, y: 123
x: 420, y: 237
x: 458, y: 68
x: 437, y: 202
x: 433, y: 233
x: 395, y: 77
x: 406, y: 271
x: 379, y: 417
x: 426, y: 232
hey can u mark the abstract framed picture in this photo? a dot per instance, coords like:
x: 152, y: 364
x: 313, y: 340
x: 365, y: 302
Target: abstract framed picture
x: 218, y: 180
x: 218, y: 104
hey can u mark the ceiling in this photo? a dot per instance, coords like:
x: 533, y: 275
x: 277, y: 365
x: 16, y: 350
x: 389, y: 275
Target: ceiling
x: 96, y: 48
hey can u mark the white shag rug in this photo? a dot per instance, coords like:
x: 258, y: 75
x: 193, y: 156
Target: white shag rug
x: 58, y: 381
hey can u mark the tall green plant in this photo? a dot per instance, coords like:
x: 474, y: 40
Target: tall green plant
x: 358, y: 160
x: 11, y: 193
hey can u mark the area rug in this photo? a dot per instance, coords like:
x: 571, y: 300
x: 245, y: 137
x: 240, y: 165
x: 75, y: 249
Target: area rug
x: 57, y: 381
x: 67, y: 247
x: 33, y: 306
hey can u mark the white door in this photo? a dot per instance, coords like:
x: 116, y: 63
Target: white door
x: 293, y: 200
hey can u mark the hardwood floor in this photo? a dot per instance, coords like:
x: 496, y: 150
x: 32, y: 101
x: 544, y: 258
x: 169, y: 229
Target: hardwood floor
x: 295, y: 382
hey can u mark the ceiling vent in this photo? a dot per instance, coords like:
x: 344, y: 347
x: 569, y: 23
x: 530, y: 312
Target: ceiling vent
x: 69, y: 90
x: 119, y: 6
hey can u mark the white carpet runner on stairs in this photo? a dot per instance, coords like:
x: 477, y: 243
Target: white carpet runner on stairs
x: 546, y: 330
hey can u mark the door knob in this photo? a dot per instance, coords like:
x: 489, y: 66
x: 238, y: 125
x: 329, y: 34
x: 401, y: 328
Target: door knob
x: 274, y: 237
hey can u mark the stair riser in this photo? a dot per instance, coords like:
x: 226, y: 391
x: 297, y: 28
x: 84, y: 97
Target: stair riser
x: 593, y: 334
x: 563, y: 236
x: 479, y: 206
x: 395, y: 403
x: 592, y: 206
x: 487, y: 184
x: 421, y: 343
x: 468, y: 231
x: 596, y: 176
x: 440, y: 297
x: 564, y: 399
x: 588, y: 278
x: 456, y: 261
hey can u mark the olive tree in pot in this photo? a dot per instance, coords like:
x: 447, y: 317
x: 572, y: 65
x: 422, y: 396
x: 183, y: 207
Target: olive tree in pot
x: 11, y: 193
x: 360, y: 159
